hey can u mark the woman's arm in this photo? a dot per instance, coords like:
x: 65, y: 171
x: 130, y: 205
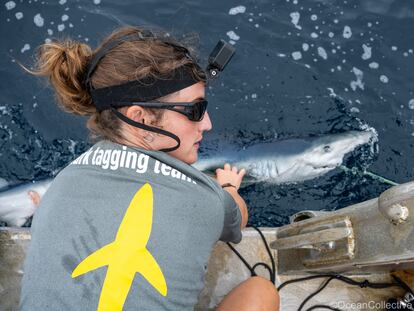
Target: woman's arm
x: 231, y: 175
x: 240, y: 203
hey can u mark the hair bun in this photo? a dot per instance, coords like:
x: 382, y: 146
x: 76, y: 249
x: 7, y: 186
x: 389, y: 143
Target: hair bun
x: 65, y: 62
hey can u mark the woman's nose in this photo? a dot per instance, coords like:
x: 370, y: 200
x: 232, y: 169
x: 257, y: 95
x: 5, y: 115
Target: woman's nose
x: 206, y: 123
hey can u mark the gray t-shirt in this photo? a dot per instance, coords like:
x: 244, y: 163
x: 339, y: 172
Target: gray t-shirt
x: 122, y: 228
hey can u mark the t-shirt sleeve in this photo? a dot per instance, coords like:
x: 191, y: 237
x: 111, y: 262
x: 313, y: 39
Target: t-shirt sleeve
x: 232, y: 220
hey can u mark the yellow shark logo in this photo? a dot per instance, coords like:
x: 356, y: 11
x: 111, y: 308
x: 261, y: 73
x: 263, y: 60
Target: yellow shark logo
x: 126, y: 255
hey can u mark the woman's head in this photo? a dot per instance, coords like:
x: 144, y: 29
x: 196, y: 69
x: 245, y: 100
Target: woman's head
x: 65, y: 63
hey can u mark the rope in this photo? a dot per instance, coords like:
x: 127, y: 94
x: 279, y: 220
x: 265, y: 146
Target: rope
x: 370, y: 174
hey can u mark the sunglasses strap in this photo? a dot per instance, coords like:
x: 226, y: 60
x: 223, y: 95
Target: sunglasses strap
x: 131, y: 122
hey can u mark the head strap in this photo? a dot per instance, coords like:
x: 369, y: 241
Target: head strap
x: 143, y: 90
x: 142, y: 35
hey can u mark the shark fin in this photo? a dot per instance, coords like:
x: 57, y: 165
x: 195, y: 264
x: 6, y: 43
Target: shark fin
x: 151, y: 271
x: 94, y: 261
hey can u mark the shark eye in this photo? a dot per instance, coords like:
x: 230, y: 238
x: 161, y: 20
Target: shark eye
x: 327, y: 148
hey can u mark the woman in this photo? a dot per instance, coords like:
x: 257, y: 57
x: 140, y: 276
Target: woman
x: 130, y: 224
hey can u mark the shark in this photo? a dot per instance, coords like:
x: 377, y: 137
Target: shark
x: 127, y: 255
x: 18, y: 204
x: 290, y: 160
x: 278, y: 162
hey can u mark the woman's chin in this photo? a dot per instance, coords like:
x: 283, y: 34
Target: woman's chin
x: 192, y: 157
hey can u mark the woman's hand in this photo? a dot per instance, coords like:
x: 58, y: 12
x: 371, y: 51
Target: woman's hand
x: 230, y: 175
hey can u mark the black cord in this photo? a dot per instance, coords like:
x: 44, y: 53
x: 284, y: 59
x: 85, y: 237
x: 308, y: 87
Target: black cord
x: 333, y: 276
x: 322, y: 307
x: 315, y: 293
x: 271, y: 270
x: 272, y: 260
x: 252, y: 272
x: 347, y: 280
x: 317, y: 276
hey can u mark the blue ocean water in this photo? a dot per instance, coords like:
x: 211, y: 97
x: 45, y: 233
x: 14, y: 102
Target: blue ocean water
x: 302, y: 69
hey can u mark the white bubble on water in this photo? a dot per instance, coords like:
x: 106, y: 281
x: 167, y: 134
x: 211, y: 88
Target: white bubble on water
x: 314, y: 17
x: 70, y: 25
x: 305, y: 47
x: 373, y: 65
x: 296, y: 55
x: 358, y: 82
x: 367, y: 52
x: 336, y: 21
x: 339, y: 68
x: 62, y: 2
x: 232, y: 42
x: 25, y: 48
x: 281, y: 55
x: 332, y: 92
x: 322, y: 53
x: 64, y: 17
x: 405, y: 54
x: 61, y: 27
x: 394, y: 48
x: 237, y: 10
x: 96, y: 2
x: 48, y: 40
x: 254, y: 95
x: 50, y: 32
x: 331, y: 34
x: 354, y: 110
x: 38, y: 20
x: 232, y: 35
x: 250, y: 19
x: 384, y: 79
x: 19, y: 15
x: 314, y: 35
x: 295, y: 16
x: 410, y: 51
x: 256, y: 25
x: 10, y: 5
x: 347, y: 32
x: 411, y: 104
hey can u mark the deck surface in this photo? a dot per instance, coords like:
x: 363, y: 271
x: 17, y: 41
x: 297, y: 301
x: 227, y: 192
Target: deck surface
x: 226, y: 271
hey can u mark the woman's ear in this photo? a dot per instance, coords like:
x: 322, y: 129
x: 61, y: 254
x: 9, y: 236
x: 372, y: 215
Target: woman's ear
x: 137, y: 113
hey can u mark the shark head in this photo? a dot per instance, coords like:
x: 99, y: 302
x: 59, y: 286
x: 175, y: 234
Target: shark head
x: 292, y: 160
x: 328, y: 152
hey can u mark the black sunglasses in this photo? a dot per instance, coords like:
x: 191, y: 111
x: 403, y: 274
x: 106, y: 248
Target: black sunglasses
x: 194, y: 111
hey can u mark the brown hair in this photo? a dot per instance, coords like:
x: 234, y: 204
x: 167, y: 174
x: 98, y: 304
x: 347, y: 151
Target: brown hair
x: 64, y: 63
